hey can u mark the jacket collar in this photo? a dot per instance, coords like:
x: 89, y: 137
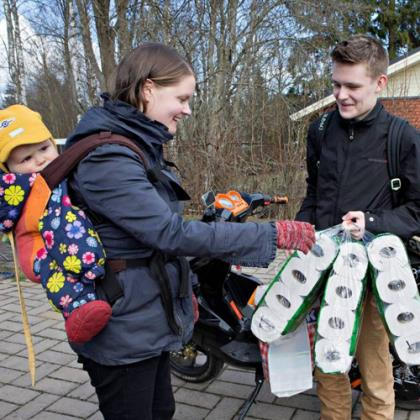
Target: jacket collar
x: 365, y: 122
x: 122, y: 118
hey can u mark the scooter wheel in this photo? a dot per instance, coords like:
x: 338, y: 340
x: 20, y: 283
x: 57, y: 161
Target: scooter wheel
x: 195, y: 366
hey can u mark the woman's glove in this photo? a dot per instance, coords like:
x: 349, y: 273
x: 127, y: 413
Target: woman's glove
x: 295, y: 235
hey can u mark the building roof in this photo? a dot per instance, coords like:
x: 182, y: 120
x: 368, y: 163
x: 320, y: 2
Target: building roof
x: 397, y: 66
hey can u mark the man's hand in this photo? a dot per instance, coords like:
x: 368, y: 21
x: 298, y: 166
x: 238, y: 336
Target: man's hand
x: 354, y: 222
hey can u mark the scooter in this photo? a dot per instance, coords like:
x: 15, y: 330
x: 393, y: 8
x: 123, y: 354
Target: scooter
x: 223, y: 334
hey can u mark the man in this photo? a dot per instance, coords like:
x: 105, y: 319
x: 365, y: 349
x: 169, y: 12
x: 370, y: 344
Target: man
x: 349, y: 182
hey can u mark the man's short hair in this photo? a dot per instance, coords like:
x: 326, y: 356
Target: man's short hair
x: 362, y: 49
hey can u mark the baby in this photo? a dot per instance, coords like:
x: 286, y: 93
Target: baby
x: 72, y: 256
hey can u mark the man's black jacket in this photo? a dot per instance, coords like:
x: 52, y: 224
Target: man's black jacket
x: 353, y: 175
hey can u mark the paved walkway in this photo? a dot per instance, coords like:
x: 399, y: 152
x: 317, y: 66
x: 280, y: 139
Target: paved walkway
x: 63, y: 391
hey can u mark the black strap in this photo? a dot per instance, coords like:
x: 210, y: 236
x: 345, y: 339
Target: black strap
x: 395, y: 131
x: 62, y: 166
x: 320, y: 134
x: 159, y: 273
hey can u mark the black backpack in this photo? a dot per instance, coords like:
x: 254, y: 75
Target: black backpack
x: 395, y: 132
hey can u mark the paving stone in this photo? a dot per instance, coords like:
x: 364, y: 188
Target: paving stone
x: 12, y: 326
x: 70, y: 374
x: 230, y: 390
x: 96, y: 416
x: 305, y: 415
x: 94, y: 399
x: 6, y: 408
x: 19, y: 338
x: 84, y: 392
x: 55, y: 386
x: 54, y: 333
x: 74, y: 363
x: 46, y: 415
x: 300, y: 401
x: 265, y: 395
x: 177, y: 381
x: 72, y: 407
x: 270, y: 411
x: 5, y: 334
x: 413, y: 415
x: 238, y: 376
x: 40, y: 309
x: 40, y: 326
x: 186, y: 412
x: 225, y: 409
x: 64, y: 347
x: 32, y: 408
x: 42, y: 371
x: 55, y: 357
x: 199, y: 387
x: 9, y: 375
x: 16, y: 362
x: 30, y: 303
x: 4, y: 317
x: 12, y: 307
x: 401, y: 415
x: 16, y: 395
x: 196, y: 398
x: 11, y: 348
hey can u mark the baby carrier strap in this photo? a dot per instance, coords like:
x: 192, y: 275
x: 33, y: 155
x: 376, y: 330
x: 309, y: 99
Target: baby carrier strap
x: 62, y: 166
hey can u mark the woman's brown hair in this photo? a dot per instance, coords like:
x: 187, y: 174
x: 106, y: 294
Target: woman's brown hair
x: 154, y: 61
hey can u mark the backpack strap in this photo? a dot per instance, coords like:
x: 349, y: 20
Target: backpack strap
x: 395, y: 130
x: 61, y: 167
x: 320, y: 134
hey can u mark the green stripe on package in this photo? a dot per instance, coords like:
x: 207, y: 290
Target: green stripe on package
x: 396, y: 295
x: 339, y: 318
x: 294, y: 289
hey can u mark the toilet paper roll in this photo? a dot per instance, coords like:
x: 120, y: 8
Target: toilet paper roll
x: 386, y: 251
x: 396, y: 285
x: 282, y: 301
x: 408, y: 348
x: 403, y: 318
x: 266, y: 325
x: 259, y: 292
x: 322, y: 254
x: 351, y: 261
x: 336, y: 323
x: 299, y: 277
x: 343, y: 292
x: 333, y: 356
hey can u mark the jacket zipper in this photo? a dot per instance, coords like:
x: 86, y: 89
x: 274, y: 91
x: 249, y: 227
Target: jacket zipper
x: 351, y: 138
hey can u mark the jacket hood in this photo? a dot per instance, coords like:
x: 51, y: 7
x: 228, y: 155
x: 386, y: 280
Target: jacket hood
x: 121, y: 118
x: 14, y: 192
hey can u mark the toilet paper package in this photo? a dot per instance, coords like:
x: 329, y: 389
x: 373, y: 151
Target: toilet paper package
x: 339, y: 317
x: 408, y: 348
x: 294, y: 289
x: 396, y: 295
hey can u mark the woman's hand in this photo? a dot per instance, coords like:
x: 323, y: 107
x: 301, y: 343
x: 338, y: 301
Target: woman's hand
x: 295, y: 235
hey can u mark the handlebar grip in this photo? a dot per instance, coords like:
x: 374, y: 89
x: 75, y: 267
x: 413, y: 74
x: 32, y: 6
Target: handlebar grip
x: 278, y: 199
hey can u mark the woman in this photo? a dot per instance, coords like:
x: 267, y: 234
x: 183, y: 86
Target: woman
x: 137, y: 218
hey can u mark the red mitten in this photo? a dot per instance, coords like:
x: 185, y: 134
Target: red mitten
x: 295, y: 235
x: 196, y: 311
x: 87, y: 321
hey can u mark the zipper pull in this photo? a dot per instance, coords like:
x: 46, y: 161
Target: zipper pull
x: 351, y: 135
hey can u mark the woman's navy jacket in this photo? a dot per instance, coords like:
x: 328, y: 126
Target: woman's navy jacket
x: 140, y: 217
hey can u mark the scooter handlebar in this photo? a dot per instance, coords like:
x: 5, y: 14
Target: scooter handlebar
x: 279, y: 199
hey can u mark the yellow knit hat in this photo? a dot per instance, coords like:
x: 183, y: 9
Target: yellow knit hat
x: 20, y: 125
